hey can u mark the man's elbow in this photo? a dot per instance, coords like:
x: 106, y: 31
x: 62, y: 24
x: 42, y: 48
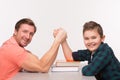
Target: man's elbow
x: 44, y: 70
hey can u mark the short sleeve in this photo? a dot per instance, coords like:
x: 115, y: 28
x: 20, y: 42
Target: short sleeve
x: 17, y: 55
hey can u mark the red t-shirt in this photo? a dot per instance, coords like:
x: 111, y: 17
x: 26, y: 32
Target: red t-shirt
x: 11, y: 58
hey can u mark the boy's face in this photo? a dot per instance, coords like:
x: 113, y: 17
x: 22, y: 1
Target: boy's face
x: 24, y: 35
x: 92, y: 39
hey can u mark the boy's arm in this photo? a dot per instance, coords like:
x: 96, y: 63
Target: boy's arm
x: 67, y: 51
x: 98, y: 63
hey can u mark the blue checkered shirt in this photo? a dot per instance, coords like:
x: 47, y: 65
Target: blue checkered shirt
x: 103, y: 65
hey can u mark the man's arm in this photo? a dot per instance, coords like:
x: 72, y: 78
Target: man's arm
x: 32, y: 63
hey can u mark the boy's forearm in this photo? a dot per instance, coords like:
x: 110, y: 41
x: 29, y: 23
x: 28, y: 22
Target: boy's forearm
x: 67, y: 50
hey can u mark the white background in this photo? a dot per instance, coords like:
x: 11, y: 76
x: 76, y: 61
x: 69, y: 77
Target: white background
x: 69, y: 14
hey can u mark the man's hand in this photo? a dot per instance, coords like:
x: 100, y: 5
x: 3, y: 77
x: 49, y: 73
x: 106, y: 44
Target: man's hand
x: 60, y: 34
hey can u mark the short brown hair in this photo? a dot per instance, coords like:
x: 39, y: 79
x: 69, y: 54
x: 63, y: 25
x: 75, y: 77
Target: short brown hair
x: 25, y: 21
x: 93, y: 25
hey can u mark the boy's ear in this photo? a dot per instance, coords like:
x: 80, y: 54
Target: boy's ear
x: 103, y: 38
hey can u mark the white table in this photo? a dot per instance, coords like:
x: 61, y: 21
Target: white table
x: 52, y: 76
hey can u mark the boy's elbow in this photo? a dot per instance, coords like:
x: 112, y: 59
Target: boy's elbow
x: 87, y: 72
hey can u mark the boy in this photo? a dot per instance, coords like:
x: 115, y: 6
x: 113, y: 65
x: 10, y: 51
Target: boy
x: 102, y: 62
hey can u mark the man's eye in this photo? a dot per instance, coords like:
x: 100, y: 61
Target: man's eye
x: 25, y: 31
x: 31, y: 34
x: 86, y: 38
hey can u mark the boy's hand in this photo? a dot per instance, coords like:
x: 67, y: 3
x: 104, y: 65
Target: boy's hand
x: 60, y: 34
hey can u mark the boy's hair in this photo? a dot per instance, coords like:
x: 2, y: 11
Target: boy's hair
x: 93, y: 25
x: 25, y: 21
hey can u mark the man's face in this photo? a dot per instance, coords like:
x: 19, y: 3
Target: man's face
x: 92, y: 40
x: 24, y: 35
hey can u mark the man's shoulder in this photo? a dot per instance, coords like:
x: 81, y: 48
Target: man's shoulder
x: 11, y: 46
x: 10, y: 42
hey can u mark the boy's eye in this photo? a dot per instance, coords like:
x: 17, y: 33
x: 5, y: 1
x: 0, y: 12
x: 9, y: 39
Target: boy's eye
x: 93, y: 37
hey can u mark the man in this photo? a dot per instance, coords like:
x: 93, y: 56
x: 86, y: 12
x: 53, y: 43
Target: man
x: 14, y: 57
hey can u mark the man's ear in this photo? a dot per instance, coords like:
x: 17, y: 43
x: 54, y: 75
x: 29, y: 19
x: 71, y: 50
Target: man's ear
x: 15, y: 32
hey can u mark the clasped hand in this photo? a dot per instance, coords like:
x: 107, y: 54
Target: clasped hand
x: 60, y: 34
